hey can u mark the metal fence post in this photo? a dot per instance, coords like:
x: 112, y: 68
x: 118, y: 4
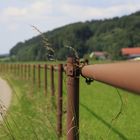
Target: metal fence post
x: 52, y: 79
x: 59, y: 100
x: 15, y: 67
x: 29, y: 72
x: 33, y: 75
x: 22, y: 71
x: 39, y: 76
x: 11, y: 69
x: 18, y: 70
x: 45, y: 79
x: 73, y: 73
x: 25, y: 71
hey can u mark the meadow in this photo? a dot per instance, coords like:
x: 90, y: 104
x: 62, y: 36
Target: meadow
x: 106, y: 113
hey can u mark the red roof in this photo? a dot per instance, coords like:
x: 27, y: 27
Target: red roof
x: 130, y: 51
x: 99, y: 53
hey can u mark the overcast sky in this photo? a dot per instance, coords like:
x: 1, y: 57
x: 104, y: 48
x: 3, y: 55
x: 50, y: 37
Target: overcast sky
x: 16, y: 16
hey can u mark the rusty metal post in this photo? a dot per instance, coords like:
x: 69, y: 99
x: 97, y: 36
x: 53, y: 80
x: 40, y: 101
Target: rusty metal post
x: 15, y: 69
x: 59, y: 100
x: 45, y: 78
x: 0, y: 67
x: 5, y: 65
x: 18, y: 70
x: 73, y: 73
x: 4, y: 68
x: 52, y: 79
x: 25, y: 71
x: 22, y: 71
x: 34, y: 74
x: 8, y: 68
x: 11, y: 69
x: 39, y: 76
x: 29, y: 72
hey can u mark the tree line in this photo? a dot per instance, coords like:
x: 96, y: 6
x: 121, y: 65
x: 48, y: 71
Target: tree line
x: 108, y: 35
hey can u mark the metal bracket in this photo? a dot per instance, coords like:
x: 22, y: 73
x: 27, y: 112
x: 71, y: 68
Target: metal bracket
x: 82, y: 64
x: 73, y: 69
x: 89, y: 80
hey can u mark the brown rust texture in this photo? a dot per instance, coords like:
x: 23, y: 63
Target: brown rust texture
x: 59, y: 100
x: 52, y: 80
x: 45, y: 78
x: 125, y: 75
x: 72, y: 99
x: 39, y: 78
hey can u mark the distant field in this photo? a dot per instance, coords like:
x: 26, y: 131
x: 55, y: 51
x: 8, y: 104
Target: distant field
x: 104, y: 114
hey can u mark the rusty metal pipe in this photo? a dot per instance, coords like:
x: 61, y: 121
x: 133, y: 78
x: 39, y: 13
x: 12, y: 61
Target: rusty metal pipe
x: 124, y: 75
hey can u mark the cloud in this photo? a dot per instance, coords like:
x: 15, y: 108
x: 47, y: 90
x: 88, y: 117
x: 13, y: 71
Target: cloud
x: 34, y: 10
x: 84, y: 13
x: 13, y: 27
x: 12, y: 11
x: 49, y: 14
x: 48, y: 9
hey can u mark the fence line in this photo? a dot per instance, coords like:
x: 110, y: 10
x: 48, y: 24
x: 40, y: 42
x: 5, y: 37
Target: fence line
x: 122, y: 75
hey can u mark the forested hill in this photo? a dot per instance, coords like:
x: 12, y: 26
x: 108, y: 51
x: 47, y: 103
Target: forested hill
x: 96, y: 35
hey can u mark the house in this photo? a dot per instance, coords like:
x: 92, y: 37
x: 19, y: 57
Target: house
x: 130, y: 53
x: 101, y: 55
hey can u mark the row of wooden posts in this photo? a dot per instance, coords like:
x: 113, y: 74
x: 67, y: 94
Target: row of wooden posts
x: 33, y: 73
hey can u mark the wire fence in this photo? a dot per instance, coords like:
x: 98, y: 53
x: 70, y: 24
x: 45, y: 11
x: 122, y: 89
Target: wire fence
x: 42, y: 75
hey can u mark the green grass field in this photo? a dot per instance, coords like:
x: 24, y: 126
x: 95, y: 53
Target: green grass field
x: 106, y: 113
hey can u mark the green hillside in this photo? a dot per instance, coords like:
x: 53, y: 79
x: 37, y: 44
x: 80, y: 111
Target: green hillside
x: 99, y: 35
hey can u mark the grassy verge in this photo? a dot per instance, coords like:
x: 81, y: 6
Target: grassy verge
x: 30, y: 116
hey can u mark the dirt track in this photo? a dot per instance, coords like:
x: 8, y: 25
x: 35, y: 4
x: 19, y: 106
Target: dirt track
x: 5, y: 96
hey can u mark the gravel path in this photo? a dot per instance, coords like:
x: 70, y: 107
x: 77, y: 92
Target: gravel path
x: 5, y: 96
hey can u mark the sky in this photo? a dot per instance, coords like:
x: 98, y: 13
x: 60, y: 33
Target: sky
x: 17, y: 16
